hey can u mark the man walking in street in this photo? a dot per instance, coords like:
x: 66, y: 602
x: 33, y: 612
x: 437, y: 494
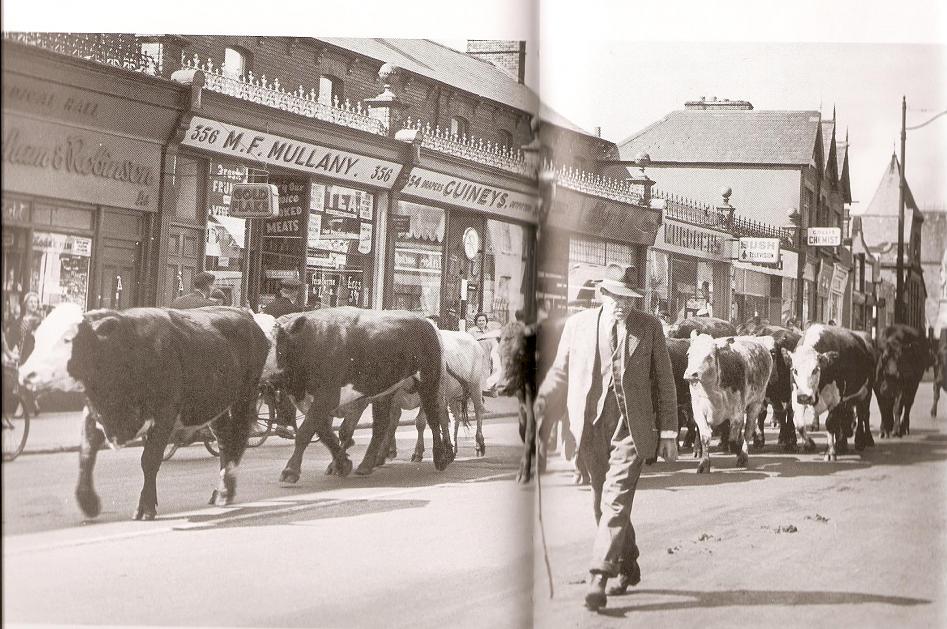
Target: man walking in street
x: 199, y: 296
x: 285, y: 302
x: 613, y: 371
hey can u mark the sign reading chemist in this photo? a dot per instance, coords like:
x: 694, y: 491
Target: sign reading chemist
x: 279, y: 151
x: 436, y: 186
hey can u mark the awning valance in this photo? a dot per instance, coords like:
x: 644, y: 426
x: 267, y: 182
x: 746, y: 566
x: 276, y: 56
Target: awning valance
x: 606, y: 218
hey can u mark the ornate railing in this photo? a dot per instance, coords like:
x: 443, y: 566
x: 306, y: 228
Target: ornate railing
x: 259, y: 89
x: 508, y: 158
x: 121, y: 51
x: 686, y: 210
x: 596, y: 185
x: 747, y: 228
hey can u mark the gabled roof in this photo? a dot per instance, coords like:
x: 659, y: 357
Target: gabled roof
x: 446, y: 65
x: 841, y: 154
x: 828, y: 144
x: 880, y: 217
x: 727, y: 137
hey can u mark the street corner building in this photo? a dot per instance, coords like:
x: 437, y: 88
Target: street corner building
x: 402, y: 184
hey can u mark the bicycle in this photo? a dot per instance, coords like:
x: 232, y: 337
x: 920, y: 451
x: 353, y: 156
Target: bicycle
x: 185, y: 436
x: 275, y: 415
x: 15, y: 429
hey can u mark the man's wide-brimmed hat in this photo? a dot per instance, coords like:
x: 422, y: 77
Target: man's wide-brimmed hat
x: 621, y: 279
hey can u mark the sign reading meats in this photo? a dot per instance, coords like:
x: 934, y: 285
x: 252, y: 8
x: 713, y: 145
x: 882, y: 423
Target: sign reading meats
x: 279, y: 151
x: 436, y: 186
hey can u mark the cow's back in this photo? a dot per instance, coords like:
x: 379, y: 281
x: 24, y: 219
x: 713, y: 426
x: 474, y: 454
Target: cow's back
x: 716, y: 328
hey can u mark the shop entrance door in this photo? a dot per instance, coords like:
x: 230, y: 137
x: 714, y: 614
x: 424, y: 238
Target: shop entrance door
x: 118, y: 271
x: 184, y: 260
x: 465, y: 238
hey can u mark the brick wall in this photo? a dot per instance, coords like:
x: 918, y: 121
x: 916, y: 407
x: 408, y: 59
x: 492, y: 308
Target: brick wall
x: 301, y: 61
x: 508, y: 55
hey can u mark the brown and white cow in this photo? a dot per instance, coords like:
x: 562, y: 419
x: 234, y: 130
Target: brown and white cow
x: 728, y: 379
x: 904, y: 356
x: 716, y: 328
x: 331, y: 356
x: 146, y: 370
x: 833, y: 372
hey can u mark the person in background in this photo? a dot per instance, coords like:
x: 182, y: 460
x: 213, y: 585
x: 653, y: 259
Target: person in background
x: 285, y: 302
x: 21, y: 339
x: 612, y: 373
x: 832, y: 322
x: 481, y: 321
x: 219, y: 297
x: 202, y: 287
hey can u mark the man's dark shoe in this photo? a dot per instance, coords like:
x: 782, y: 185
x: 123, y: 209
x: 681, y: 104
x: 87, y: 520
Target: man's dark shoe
x: 595, y: 598
x: 626, y: 580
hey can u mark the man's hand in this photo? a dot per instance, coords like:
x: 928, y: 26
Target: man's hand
x: 667, y: 450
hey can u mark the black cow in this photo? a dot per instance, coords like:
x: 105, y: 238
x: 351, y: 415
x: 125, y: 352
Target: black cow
x: 833, y: 370
x: 145, y: 369
x: 716, y: 328
x: 332, y: 355
x: 677, y: 350
x: 904, y: 356
x: 779, y: 391
x: 939, y: 360
x: 526, y: 354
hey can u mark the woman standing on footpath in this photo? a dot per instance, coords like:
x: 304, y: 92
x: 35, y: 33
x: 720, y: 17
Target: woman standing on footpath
x: 20, y: 337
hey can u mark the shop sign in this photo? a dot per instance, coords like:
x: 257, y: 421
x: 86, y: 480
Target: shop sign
x: 825, y: 277
x: 759, y: 250
x: 272, y: 149
x: 16, y: 211
x: 62, y: 243
x: 472, y: 195
x: 280, y: 274
x: 418, y: 261
x: 824, y: 237
x: 221, y: 179
x: 365, y: 238
x: 65, y: 162
x: 289, y: 217
x: 401, y: 224
x: 254, y: 200
x: 695, y: 240
x: 839, y: 278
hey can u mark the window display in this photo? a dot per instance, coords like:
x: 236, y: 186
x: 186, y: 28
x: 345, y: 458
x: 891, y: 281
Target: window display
x: 419, y: 239
x: 60, y: 268
x: 504, y: 290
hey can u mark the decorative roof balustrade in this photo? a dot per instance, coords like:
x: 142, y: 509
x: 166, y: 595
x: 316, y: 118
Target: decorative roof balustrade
x: 686, y: 210
x: 259, y: 89
x: 596, y: 185
x: 508, y: 158
x: 747, y: 228
x: 121, y: 51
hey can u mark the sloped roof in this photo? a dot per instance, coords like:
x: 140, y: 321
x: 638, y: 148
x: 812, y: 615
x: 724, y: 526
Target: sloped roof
x: 446, y: 65
x: 841, y: 156
x: 885, y: 201
x: 828, y: 129
x: 728, y: 137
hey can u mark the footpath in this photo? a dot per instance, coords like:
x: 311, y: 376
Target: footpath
x: 60, y: 431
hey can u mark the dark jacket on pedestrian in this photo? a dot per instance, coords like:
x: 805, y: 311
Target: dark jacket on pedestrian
x: 194, y: 299
x: 281, y: 306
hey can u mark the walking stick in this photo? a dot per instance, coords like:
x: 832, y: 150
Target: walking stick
x: 531, y: 417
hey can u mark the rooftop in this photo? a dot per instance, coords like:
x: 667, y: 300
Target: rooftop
x: 727, y: 137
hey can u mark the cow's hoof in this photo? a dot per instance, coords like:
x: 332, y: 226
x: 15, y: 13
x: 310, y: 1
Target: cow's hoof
x: 348, y: 443
x: 345, y: 468
x: 809, y: 446
x: 790, y: 447
x: 145, y: 513
x: 703, y: 467
x: 417, y: 457
x: 480, y: 450
x: 829, y: 457
x: 291, y: 476
x: 330, y: 468
x: 742, y: 460
x: 221, y: 498
x: 393, y: 453
x: 524, y: 474
x: 89, y: 503
x: 759, y: 442
x: 364, y: 469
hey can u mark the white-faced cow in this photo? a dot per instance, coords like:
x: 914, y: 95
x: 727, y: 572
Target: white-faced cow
x: 728, y: 379
x: 833, y: 371
x: 146, y: 370
x: 904, y: 356
x: 331, y: 356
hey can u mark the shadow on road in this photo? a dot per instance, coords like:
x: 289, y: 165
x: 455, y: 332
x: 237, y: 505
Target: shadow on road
x: 315, y: 510
x: 744, y: 598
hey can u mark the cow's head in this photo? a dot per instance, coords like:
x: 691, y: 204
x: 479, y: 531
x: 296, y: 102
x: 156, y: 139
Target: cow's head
x: 702, y: 363
x: 269, y: 326
x: 108, y: 359
x: 516, y: 344
x: 45, y: 369
x: 807, y: 366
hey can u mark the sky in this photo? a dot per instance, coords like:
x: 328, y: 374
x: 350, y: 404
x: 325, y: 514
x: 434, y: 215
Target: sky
x: 622, y: 64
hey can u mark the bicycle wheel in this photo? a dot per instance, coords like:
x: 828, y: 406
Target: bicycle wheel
x: 262, y: 425
x: 210, y: 443
x: 15, y: 432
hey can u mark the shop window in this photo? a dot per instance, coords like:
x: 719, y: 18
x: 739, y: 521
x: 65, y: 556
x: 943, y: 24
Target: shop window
x: 459, y: 127
x: 505, y: 138
x: 419, y: 241
x: 331, y: 90
x: 236, y: 62
x: 186, y: 176
x: 504, y: 287
x: 59, y: 268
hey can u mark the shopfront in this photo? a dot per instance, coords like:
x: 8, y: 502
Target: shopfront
x: 326, y: 230
x: 81, y: 180
x: 461, y: 247
x: 689, y: 272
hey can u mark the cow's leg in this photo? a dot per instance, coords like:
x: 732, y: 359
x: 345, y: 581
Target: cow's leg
x: 841, y: 421
x: 232, y: 430
x: 886, y: 407
x: 529, y: 444
x: 896, y: 414
x: 459, y: 411
x: 742, y: 433
x: 759, y: 438
x: 151, y: 455
x: 936, y: 399
x: 318, y: 422
x: 706, y: 431
x: 389, y: 449
x: 350, y: 419
x: 91, y: 440
x: 421, y: 420
x: 476, y: 397
x: 381, y: 415
x: 907, y: 402
x: 830, y: 453
x: 435, y: 410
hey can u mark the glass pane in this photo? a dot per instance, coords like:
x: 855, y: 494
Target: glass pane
x: 504, y: 287
x: 186, y: 176
x: 419, y: 240
x: 234, y: 63
x: 59, y: 270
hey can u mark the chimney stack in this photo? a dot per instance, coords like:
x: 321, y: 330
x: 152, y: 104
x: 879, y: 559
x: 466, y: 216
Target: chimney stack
x: 508, y: 55
x: 718, y: 105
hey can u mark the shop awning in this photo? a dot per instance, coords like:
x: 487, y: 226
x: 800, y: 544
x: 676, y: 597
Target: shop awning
x: 606, y: 218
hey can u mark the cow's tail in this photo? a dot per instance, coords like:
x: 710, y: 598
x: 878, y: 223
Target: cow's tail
x: 465, y: 402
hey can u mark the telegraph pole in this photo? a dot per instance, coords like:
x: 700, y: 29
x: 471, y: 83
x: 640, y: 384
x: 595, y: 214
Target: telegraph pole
x: 899, y: 294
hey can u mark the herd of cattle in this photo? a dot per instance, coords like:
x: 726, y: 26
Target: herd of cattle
x: 147, y: 372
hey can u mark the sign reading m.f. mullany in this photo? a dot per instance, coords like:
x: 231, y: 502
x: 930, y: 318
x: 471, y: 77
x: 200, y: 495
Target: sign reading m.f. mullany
x: 258, y: 146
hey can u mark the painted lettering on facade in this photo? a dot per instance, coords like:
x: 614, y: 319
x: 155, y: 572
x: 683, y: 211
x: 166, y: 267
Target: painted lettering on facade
x: 437, y: 186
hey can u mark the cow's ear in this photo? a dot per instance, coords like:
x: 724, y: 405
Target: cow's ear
x: 827, y: 358
x: 103, y: 328
x: 730, y: 340
x: 297, y: 325
x: 693, y: 334
x: 787, y: 355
